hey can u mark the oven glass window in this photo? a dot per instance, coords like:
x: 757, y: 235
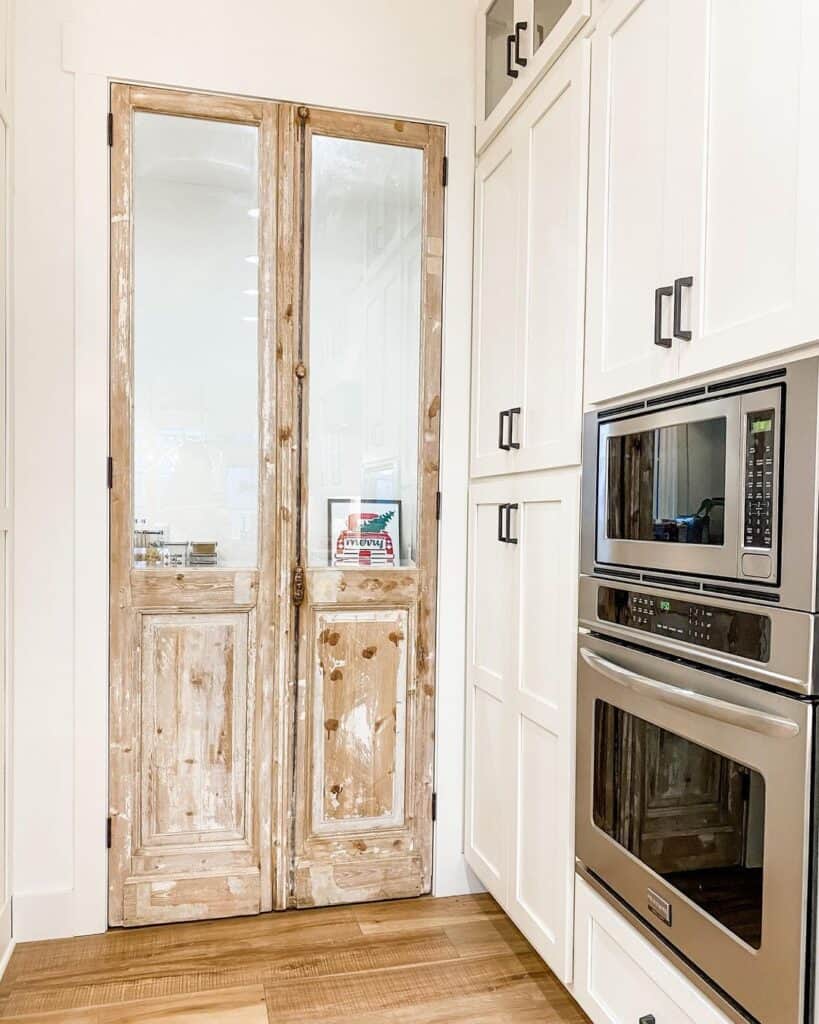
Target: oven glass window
x: 668, y: 484
x: 691, y: 815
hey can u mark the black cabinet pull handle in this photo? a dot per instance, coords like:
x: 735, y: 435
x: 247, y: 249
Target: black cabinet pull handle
x: 648, y: 1019
x: 659, y: 295
x: 503, y: 444
x: 520, y: 26
x: 679, y: 284
x: 509, y: 538
x: 501, y: 510
x: 510, y: 71
x: 512, y: 413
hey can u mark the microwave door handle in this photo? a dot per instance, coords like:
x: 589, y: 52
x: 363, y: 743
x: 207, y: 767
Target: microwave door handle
x: 698, y: 703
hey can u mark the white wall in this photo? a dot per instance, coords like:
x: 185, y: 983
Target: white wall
x: 6, y: 534
x: 412, y: 60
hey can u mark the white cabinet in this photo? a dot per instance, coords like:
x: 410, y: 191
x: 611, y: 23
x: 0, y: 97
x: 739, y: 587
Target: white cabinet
x: 517, y: 40
x: 703, y: 218
x: 620, y: 978
x: 520, y: 701
x: 530, y: 279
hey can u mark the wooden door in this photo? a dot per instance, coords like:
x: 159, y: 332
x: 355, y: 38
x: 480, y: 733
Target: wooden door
x: 541, y: 711
x: 366, y: 546
x: 637, y: 74
x: 753, y: 262
x: 552, y: 136
x: 495, y: 316
x: 197, y: 696
x: 492, y: 652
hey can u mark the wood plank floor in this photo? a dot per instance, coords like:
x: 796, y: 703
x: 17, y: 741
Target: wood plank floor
x: 427, y: 961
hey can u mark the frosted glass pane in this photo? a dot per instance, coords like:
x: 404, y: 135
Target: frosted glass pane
x: 500, y: 24
x: 196, y: 435
x: 547, y: 14
x: 364, y: 345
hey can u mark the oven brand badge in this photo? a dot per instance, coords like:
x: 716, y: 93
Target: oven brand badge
x: 659, y: 907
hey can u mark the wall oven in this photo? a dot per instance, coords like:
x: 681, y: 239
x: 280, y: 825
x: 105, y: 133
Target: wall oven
x: 693, y: 809
x: 712, y: 488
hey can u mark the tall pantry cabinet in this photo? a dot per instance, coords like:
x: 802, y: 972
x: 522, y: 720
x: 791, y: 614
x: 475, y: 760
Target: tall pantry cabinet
x: 524, y: 512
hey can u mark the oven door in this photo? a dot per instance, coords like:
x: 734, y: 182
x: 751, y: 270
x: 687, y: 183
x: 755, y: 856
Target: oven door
x: 669, y: 490
x: 693, y: 807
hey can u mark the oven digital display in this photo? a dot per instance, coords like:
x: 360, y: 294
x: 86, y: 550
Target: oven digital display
x: 743, y: 634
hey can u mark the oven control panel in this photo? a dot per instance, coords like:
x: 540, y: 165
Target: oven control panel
x: 759, y: 478
x: 720, y: 629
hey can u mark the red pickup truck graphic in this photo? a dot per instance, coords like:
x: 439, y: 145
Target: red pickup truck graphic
x: 365, y: 541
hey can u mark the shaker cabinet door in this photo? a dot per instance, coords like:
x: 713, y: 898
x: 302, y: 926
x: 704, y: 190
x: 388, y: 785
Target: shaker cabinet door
x: 542, y: 716
x: 552, y: 134
x: 637, y: 78
x: 491, y: 667
x: 495, y: 314
x: 754, y: 254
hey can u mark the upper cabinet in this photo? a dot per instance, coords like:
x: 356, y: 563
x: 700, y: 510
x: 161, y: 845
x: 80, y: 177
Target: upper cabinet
x: 530, y: 279
x: 703, y: 219
x: 517, y: 40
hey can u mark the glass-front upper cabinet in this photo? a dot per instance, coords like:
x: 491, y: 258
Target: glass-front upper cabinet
x: 517, y: 41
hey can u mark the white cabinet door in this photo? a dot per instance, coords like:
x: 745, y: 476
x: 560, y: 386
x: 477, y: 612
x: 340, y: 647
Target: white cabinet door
x: 752, y: 171
x: 491, y: 667
x: 552, y: 138
x: 530, y: 252
x: 640, y: 55
x: 495, y: 302
x: 542, y: 712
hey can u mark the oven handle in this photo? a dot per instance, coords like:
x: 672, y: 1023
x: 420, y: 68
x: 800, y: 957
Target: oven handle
x: 698, y: 703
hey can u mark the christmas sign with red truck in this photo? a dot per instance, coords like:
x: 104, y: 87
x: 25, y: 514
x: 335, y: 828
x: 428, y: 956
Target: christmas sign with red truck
x: 368, y: 537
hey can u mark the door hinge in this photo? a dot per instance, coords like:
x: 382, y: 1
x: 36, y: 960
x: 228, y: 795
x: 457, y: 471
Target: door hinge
x: 298, y: 585
x: 438, y: 505
x: 434, y: 806
x: 110, y: 472
x: 110, y: 128
x: 108, y: 827
x: 445, y: 172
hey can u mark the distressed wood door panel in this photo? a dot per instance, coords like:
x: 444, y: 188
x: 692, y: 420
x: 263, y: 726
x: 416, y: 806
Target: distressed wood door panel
x: 196, y: 719
x: 359, y: 718
x: 363, y: 768
x: 197, y: 693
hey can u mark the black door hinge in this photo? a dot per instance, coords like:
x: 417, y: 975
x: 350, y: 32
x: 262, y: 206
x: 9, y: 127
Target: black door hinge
x: 445, y: 172
x: 110, y: 128
x: 438, y: 505
x: 108, y: 833
x: 110, y: 472
x: 434, y: 806
x: 298, y: 585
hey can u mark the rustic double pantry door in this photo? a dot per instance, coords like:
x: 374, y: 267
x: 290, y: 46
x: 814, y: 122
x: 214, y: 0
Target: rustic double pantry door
x: 276, y: 330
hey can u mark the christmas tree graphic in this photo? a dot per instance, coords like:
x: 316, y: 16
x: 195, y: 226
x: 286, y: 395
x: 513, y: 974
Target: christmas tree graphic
x: 376, y: 525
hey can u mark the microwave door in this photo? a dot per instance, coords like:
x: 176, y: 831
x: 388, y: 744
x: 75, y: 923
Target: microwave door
x: 670, y: 490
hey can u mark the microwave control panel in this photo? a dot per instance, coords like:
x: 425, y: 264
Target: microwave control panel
x: 759, y: 478
x: 720, y: 629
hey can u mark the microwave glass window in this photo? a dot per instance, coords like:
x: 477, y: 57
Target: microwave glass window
x: 668, y: 484
x: 694, y: 817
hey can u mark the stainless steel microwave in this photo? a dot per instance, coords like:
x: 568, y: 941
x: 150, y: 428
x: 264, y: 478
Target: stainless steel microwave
x: 712, y: 488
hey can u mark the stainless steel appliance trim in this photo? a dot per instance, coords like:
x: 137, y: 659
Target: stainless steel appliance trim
x: 711, y: 707
x: 798, y: 581
x: 741, y: 971
x: 792, y: 635
x: 718, y: 560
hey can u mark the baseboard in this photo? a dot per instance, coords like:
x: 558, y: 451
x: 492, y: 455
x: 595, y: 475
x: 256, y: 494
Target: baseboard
x: 7, y: 942
x: 43, y: 915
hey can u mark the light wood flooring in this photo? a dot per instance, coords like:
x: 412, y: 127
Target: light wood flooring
x: 427, y: 961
